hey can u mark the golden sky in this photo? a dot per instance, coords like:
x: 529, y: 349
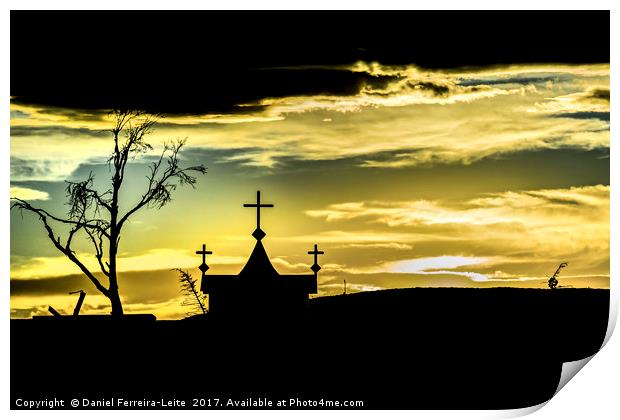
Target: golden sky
x: 470, y: 178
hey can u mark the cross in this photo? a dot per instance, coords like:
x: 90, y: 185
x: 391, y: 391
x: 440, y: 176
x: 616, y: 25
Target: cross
x: 258, y: 206
x: 316, y: 267
x: 204, y: 267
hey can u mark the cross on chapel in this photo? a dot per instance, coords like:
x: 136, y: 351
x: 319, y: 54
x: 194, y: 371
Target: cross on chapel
x: 316, y: 267
x: 203, y: 267
x: 258, y: 233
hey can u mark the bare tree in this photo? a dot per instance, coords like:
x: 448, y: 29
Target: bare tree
x: 97, y: 214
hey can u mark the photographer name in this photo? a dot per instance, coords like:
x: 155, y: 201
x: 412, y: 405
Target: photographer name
x: 125, y: 403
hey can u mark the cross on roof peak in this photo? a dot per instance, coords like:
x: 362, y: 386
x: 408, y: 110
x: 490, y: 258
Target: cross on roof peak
x: 258, y: 232
x: 316, y: 267
x: 204, y: 267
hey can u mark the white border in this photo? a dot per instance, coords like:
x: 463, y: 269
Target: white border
x: 593, y: 394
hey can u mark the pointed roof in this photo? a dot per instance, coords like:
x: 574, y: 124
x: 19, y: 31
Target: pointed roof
x: 258, y: 264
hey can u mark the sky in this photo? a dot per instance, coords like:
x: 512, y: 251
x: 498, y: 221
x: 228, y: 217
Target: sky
x: 411, y: 160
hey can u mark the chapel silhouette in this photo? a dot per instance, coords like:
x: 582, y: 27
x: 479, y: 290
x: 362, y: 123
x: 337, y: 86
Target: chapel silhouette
x: 258, y: 291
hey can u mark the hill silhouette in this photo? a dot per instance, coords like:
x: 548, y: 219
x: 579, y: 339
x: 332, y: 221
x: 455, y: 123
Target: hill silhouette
x: 418, y: 348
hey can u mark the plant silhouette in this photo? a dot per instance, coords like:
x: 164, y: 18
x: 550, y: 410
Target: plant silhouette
x: 194, y: 298
x: 553, y: 281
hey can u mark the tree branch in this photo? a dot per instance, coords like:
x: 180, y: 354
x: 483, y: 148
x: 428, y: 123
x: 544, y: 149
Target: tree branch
x: 98, y: 244
x: 82, y: 197
x: 135, y: 143
x: 69, y: 254
x: 160, y: 188
x: 98, y: 224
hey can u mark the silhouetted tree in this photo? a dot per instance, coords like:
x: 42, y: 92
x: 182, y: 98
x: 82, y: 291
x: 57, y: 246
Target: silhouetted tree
x: 98, y: 215
x: 194, y: 299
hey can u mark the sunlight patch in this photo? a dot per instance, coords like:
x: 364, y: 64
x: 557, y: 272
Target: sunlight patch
x: 29, y: 194
x: 418, y: 265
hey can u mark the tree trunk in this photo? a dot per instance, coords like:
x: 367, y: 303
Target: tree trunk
x: 115, y: 300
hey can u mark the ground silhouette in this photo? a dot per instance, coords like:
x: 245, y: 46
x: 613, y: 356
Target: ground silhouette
x: 418, y: 348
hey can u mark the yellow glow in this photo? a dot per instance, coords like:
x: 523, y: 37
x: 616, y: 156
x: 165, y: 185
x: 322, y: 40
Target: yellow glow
x: 437, y: 178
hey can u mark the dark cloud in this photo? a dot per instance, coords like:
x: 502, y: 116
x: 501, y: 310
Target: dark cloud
x: 515, y: 80
x: 136, y: 286
x: 584, y: 115
x: 437, y: 89
x: 50, y: 286
x: 54, y: 130
x: 83, y: 114
x: 204, y: 62
x: 602, y: 94
x: 554, y: 200
x: 215, y: 94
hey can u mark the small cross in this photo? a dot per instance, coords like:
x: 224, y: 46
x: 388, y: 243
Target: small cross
x: 258, y: 233
x: 204, y: 267
x: 316, y: 267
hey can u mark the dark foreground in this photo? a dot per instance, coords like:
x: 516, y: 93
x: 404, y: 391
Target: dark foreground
x: 395, y: 349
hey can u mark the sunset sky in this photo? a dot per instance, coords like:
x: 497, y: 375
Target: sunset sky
x: 406, y: 171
